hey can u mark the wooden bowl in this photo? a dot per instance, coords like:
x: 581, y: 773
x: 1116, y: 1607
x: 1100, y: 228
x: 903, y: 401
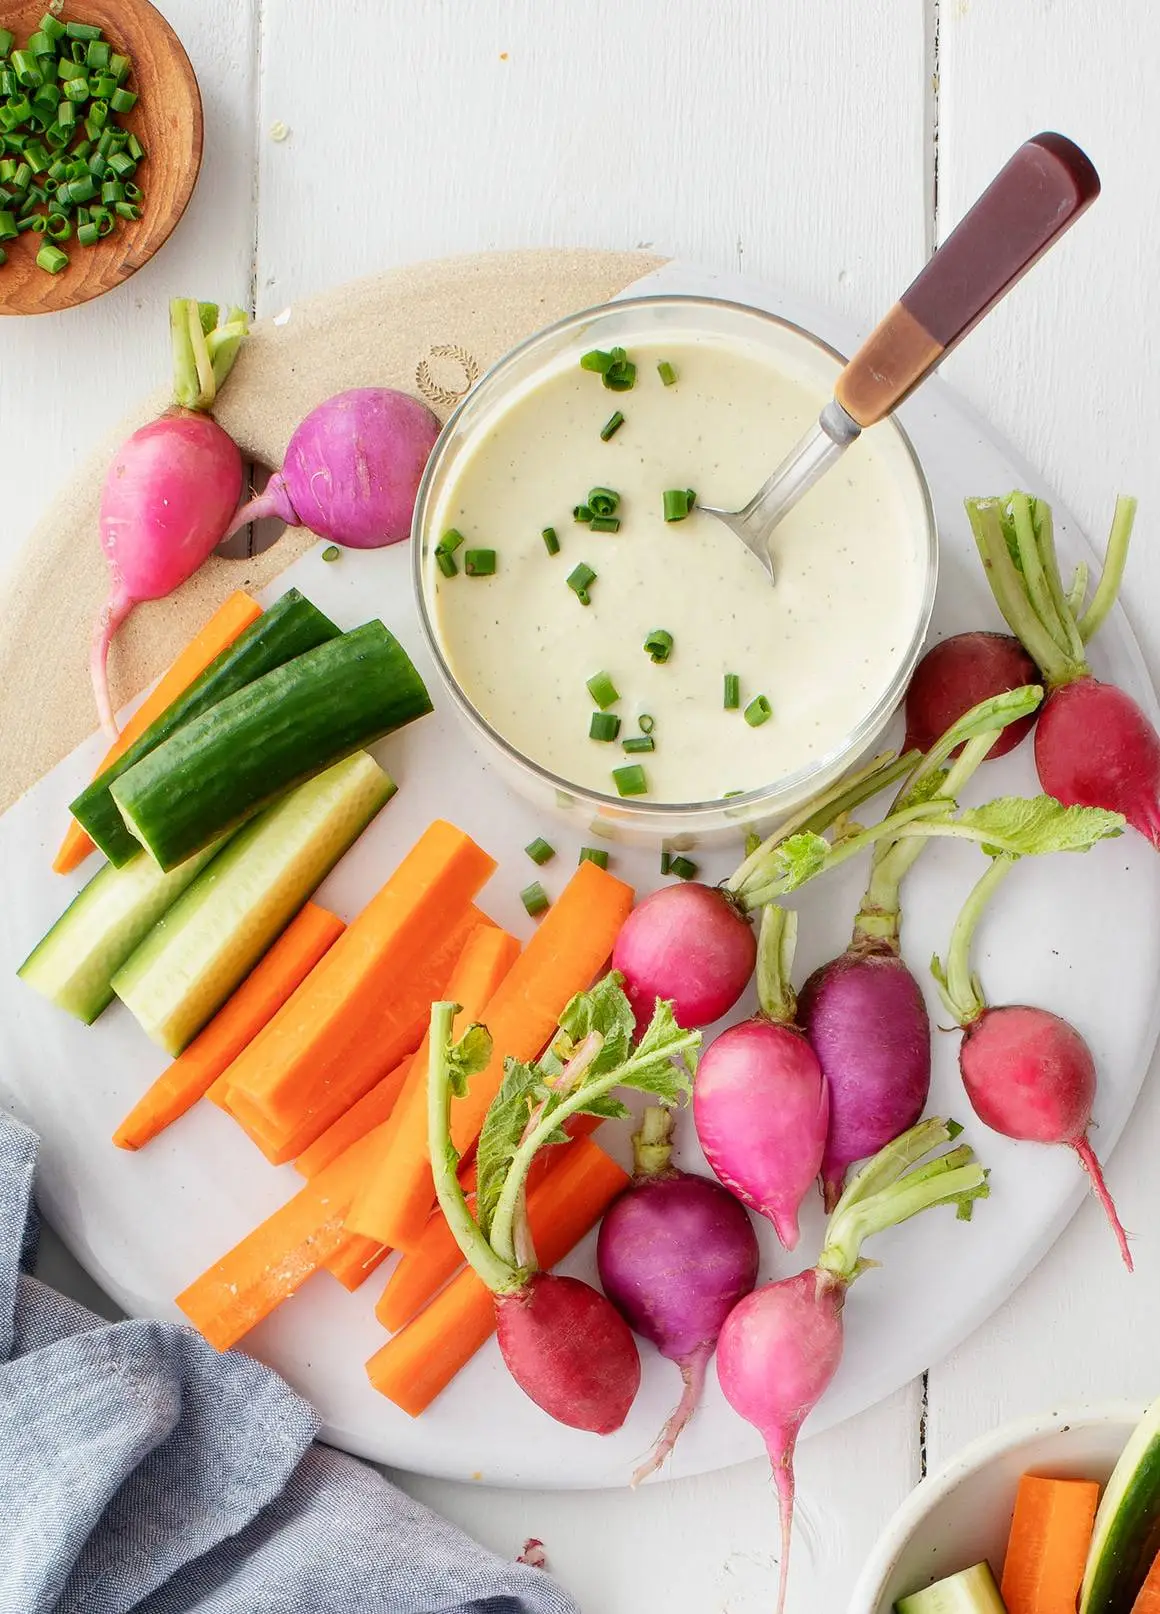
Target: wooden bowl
x: 167, y: 120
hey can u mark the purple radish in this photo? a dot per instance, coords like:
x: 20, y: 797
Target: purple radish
x: 782, y: 1345
x: 173, y: 485
x: 352, y: 469
x: 675, y: 1254
x: 760, y: 1101
x: 687, y: 944
x: 958, y: 673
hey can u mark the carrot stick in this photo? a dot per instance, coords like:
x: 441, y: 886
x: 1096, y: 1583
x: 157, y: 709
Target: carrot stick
x: 372, y: 1110
x: 227, y: 623
x: 1050, y: 1534
x: 355, y: 1260
x: 414, y: 1366
x: 1148, y: 1597
x: 274, y: 1261
x: 269, y: 984
x: 349, y: 1023
x: 424, y: 1270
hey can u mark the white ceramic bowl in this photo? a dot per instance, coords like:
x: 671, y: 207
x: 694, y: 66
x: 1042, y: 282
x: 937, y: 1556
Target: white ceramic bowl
x: 962, y: 1514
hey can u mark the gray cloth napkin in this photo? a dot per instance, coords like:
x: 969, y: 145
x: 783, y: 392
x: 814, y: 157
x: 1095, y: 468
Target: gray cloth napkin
x: 140, y: 1469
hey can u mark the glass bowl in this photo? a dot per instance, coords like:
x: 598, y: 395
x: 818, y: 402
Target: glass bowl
x: 622, y: 323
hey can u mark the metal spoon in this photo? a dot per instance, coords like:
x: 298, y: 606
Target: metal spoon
x: 1029, y: 204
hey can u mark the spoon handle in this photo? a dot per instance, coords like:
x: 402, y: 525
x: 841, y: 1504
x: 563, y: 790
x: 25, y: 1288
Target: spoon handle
x: 1029, y: 204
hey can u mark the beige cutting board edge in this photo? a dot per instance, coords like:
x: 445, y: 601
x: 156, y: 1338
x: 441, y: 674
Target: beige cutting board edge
x: 428, y: 328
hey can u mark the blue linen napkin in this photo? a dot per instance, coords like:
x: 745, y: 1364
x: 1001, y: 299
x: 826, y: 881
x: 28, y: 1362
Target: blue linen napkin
x: 140, y: 1469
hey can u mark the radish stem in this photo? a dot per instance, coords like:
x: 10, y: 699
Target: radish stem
x: 1031, y: 564
x: 986, y: 520
x: 776, y: 944
x: 958, y: 985
x: 1115, y: 556
x: 1044, y: 529
x: 1077, y: 593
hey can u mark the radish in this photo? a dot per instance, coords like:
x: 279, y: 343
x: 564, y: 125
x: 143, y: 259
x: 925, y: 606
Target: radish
x: 693, y: 945
x: 958, y: 673
x: 564, y: 1343
x: 173, y: 485
x: 675, y: 1254
x: 1094, y: 746
x: 1028, y: 1074
x: 760, y: 1101
x: 352, y: 469
x: 781, y: 1346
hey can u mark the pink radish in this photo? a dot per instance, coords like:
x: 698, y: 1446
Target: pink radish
x: 352, y: 469
x: 1028, y: 1074
x: 1094, y: 746
x: 760, y: 1100
x: 781, y: 1346
x: 675, y: 1254
x: 172, y: 487
x: 958, y: 673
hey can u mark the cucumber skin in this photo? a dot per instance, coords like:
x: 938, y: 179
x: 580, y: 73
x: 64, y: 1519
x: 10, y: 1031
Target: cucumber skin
x: 225, y: 766
x: 164, y: 955
x: 290, y: 627
x: 90, y: 994
x: 1125, y: 1543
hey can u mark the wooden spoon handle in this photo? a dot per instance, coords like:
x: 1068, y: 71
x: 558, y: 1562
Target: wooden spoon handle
x: 1029, y: 204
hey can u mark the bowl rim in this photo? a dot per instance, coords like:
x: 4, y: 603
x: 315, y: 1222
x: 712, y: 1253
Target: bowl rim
x: 901, y: 1526
x: 790, y: 788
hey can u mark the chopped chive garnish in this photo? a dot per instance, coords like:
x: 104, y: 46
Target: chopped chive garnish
x: 732, y: 692
x: 684, y: 868
x: 620, y: 375
x: 534, y: 898
x: 51, y: 259
x: 449, y: 542
x: 479, y: 562
x: 580, y: 580
x: 639, y: 743
x: 678, y: 502
x: 646, y: 722
x: 551, y: 542
x: 597, y: 361
x: 446, y: 564
x: 593, y: 854
x: 666, y: 862
x: 617, y: 355
x: 630, y: 780
x: 659, y: 645
x: 581, y: 512
x: 758, y: 712
x: 611, y: 426
x: 332, y: 553
x: 603, y: 501
x: 730, y: 793
x: 603, y: 691
x: 604, y: 726
x: 666, y: 372
x: 540, y: 851
x: 605, y: 523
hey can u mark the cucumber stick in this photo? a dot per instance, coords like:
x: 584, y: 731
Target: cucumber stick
x: 972, y: 1591
x: 212, y: 937
x: 75, y: 963
x: 1126, y: 1537
x: 291, y: 626
x: 226, y: 765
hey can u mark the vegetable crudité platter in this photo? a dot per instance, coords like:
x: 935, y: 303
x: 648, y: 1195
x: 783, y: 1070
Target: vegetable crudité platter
x: 149, y: 1222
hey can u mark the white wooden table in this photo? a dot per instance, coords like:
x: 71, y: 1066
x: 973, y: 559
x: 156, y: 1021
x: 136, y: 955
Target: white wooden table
x: 822, y: 144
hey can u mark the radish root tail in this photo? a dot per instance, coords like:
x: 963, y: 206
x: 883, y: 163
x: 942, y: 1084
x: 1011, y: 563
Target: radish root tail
x: 783, y: 1480
x: 1100, y: 1189
x: 275, y: 501
x: 114, y: 611
x: 693, y: 1374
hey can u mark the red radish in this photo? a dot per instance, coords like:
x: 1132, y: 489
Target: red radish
x: 172, y: 487
x: 1028, y: 1074
x: 958, y: 673
x: 760, y: 1101
x: 570, y: 1351
x: 689, y: 944
x: 675, y: 1254
x: 352, y: 469
x: 1094, y: 746
x: 781, y: 1346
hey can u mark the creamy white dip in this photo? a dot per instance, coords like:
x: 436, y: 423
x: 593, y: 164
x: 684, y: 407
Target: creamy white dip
x: 821, y: 645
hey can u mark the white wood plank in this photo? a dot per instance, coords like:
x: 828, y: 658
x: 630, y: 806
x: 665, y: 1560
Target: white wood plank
x: 66, y: 379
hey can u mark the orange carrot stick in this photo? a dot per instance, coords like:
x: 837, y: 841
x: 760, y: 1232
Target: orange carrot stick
x: 231, y: 618
x: 570, y: 947
x: 269, y: 984
x: 1050, y: 1534
x: 424, y: 1270
x: 414, y: 1366
x: 372, y: 1110
x: 353, y: 1263
x: 347, y: 1026
x: 1148, y: 1597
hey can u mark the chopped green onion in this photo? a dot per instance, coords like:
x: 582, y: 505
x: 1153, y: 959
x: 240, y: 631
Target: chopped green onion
x: 732, y: 692
x: 581, y: 513
x: 603, y: 501
x: 120, y: 67
x: 659, y: 645
x: 27, y: 69
x: 331, y: 553
x: 102, y: 86
x: 534, y: 898
x: 666, y: 372
x: 98, y: 53
x: 40, y: 44
x: 593, y: 854
x: 604, y: 726
x: 446, y: 564
x: 540, y: 851
x: 666, y: 862
x: 8, y: 230
x: 449, y: 542
x: 122, y: 100
x: 122, y: 165
x: 621, y: 376
x: 639, y: 743
x: 476, y: 562
x: 57, y: 227
x: 51, y: 259
x: 135, y: 149
x: 684, y: 868
x: 104, y: 221
x: 603, y: 691
x: 758, y: 712
x: 69, y: 71
x: 597, y: 361
x: 551, y: 542
x: 112, y: 191
x: 646, y: 722
x: 580, y: 580
x: 7, y: 40
x: 630, y: 780
x: 611, y: 426
x: 605, y: 523
x: 678, y: 502
x: 730, y: 793
x: 82, y: 30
